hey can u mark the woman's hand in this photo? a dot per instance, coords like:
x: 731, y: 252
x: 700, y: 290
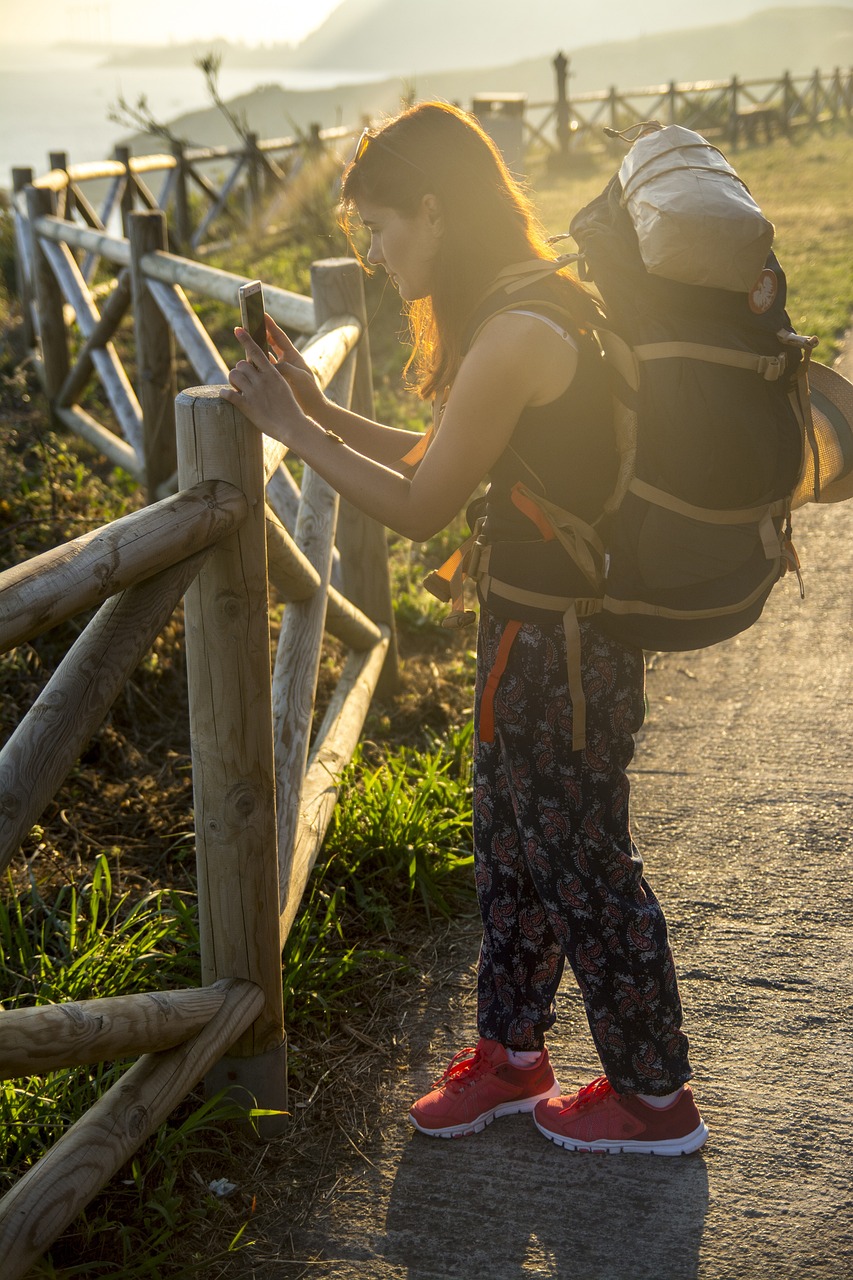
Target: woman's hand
x: 291, y: 365
x: 261, y: 391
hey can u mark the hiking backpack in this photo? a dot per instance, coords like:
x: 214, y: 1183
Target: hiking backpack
x: 711, y: 407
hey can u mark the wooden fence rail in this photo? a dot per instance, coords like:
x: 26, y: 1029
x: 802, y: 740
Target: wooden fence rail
x: 263, y: 791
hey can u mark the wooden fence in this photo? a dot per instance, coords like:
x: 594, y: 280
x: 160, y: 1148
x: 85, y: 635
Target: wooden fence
x: 263, y: 791
x: 733, y: 110
x: 235, y: 188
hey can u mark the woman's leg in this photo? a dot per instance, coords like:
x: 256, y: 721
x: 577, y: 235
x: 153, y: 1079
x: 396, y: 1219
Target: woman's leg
x: 569, y: 876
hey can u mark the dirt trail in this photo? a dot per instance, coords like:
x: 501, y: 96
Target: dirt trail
x: 741, y: 802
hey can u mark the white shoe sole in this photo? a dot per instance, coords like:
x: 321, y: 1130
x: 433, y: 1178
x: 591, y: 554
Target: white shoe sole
x: 479, y: 1123
x: 668, y: 1147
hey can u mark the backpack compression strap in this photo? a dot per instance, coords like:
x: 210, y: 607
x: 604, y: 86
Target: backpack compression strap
x: 490, y: 688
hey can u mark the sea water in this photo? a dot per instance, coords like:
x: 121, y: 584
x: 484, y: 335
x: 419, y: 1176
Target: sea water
x: 58, y: 99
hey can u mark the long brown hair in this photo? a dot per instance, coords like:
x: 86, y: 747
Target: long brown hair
x: 488, y: 224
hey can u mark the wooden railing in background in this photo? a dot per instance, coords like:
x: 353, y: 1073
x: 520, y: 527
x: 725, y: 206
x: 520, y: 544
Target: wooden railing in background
x: 264, y: 791
x: 732, y: 110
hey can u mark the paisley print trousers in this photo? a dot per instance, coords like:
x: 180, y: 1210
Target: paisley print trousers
x: 558, y: 875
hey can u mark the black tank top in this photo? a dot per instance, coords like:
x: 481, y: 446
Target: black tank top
x: 564, y: 451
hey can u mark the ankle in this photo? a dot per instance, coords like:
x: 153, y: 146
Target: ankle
x: 659, y: 1101
x: 524, y: 1057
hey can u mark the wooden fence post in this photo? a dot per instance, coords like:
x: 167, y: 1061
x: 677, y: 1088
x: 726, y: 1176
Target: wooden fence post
x: 122, y: 155
x: 49, y: 305
x: 614, y: 107
x: 182, y: 227
x: 561, y: 73
x: 65, y: 206
x: 337, y: 286
x: 228, y: 668
x: 815, y: 95
x: 21, y: 179
x: 155, y: 353
x: 734, y: 90
x: 253, y: 176
x: 788, y: 100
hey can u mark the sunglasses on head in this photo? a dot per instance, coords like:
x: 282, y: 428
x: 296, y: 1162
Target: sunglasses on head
x: 367, y: 138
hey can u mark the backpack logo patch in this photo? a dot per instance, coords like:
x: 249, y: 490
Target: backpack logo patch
x: 763, y: 293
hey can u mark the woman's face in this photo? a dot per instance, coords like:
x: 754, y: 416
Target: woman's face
x: 405, y: 245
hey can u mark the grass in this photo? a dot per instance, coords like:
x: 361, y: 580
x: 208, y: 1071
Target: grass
x: 83, y: 942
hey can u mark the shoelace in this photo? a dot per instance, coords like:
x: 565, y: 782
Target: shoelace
x: 595, y: 1091
x: 464, y: 1067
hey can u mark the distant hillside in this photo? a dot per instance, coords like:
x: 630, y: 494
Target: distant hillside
x: 763, y: 45
x: 410, y: 37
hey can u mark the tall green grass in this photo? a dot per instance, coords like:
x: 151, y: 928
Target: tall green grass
x: 83, y: 942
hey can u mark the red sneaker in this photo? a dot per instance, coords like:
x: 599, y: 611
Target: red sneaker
x: 478, y: 1086
x: 597, y: 1118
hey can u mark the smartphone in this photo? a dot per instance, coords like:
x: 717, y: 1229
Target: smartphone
x: 252, y: 313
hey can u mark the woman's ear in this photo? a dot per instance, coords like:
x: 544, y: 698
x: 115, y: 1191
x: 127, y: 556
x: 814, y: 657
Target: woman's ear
x: 431, y: 206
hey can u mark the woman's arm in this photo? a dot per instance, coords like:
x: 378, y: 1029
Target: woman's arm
x: 511, y: 364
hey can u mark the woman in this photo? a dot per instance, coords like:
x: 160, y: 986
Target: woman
x: 505, y: 351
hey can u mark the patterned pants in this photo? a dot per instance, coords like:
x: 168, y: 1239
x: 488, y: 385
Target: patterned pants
x: 558, y: 875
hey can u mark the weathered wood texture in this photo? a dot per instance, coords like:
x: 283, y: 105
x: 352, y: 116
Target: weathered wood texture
x: 290, y: 309
x: 53, y: 1192
x: 298, y: 662
x: 43, y: 591
x: 336, y: 741
x: 190, y: 333
x: 51, y: 736
x: 44, y: 1038
x: 338, y: 289
x: 113, y: 378
x: 22, y: 178
x: 228, y: 662
x: 155, y: 354
x: 49, y: 315
x: 112, y: 248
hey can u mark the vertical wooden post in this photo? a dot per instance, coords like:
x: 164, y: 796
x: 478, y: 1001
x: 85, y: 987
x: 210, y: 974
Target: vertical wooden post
x: 816, y: 87
x: 788, y: 100
x: 21, y: 179
x: 48, y: 296
x: 253, y: 186
x: 561, y: 73
x: 228, y: 668
x: 65, y: 206
x: 734, y: 90
x: 614, y: 107
x: 122, y: 155
x: 337, y: 286
x: 155, y: 353
x: 673, y: 103
x: 182, y: 227
x: 837, y: 94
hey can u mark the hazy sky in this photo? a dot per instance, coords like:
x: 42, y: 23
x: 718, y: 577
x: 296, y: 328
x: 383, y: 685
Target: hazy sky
x: 160, y: 21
